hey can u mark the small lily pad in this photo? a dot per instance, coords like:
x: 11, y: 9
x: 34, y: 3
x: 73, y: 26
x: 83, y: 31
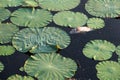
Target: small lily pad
x: 50, y: 66
x: 19, y: 77
x: 99, y: 49
x: 103, y: 8
x: 35, y: 40
x: 27, y: 17
x: 6, y: 32
x: 108, y: 70
x: 95, y: 23
x: 10, y: 3
x: 4, y: 14
x: 58, y: 5
x: 6, y: 50
x: 69, y: 18
x: 1, y: 66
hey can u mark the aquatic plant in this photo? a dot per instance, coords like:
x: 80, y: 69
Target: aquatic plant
x: 69, y: 18
x: 4, y: 14
x: 30, y: 3
x: 35, y: 40
x: 99, y: 49
x: 19, y: 77
x: 108, y: 70
x: 103, y: 8
x: 58, y: 5
x: 27, y: 17
x: 50, y: 66
x: 6, y: 32
x: 1, y: 67
x: 118, y: 50
x: 95, y: 23
x: 6, y: 50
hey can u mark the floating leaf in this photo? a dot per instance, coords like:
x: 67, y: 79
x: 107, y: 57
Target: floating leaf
x: 36, y: 40
x: 10, y: 3
x: 4, y: 14
x: 6, y: 50
x: 108, y: 70
x: 6, y: 32
x: 103, y: 8
x: 1, y: 66
x: 30, y: 3
x: 99, y: 49
x: 58, y: 5
x: 31, y: 17
x: 19, y: 77
x: 50, y: 67
x: 69, y: 18
x: 95, y: 23
x: 118, y: 50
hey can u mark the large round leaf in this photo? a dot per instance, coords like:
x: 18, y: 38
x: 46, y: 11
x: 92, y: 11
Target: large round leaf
x: 103, y: 8
x: 4, y: 14
x: 19, y: 77
x: 1, y: 66
x: 58, y: 5
x: 99, y: 49
x: 6, y: 32
x: 108, y: 70
x: 50, y: 67
x: 10, y: 3
x: 47, y: 39
x: 28, y: 17
x: 69, y: 18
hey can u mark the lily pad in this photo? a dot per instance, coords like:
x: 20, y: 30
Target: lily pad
x: 108, y: 70
x: 69, y: 18
x: 6, y: 32
x: 1, y: 66
x: 30, y: 3
x: 103, y: 8
x: 6, y: 50
x: 35, y: 40
x: 27, y: 17
x: 10, y: 3
x: 19, y: 77
x: 95, y: 23
x: 118, y: 50
x: 99, y: 49
x: 58, y: 5
x: 4, y: 14
x: 50, y: 67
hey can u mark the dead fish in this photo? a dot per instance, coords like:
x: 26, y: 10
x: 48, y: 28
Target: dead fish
x: 80, y: 30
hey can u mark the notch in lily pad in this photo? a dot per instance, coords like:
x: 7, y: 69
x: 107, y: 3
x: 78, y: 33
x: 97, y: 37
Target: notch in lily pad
x: 99, y: 49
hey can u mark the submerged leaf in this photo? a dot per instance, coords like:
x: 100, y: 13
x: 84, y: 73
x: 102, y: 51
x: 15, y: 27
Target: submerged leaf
x: 108, y: 70
x: 99, y: 49
x: 28, y: 17
x: 50, y: 67
x: 69, y: 18
x: 35, y: 40
x: 4, y: 14
x: 95, y: 23
x: 58, y: 5
x: 1, y: 66
x: 103, y: 8
x: 19, y: 77
x: 6, y: 32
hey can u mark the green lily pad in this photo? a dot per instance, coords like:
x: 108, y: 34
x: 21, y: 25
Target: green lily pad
x: 27, y: 17
x: 50, y: 67
x: 6, y: 32
x: 99, y: 49
x: 10, y: 3
x: 95, y: 23
x: 19, y: 77
x: 6, y: 50
x: 4, y: 14
x: 108, y: 70
x: 58, y: 5
x: 35, y: 40
x: 1, y: 66
x: 103, y: 8
x: 30, y: 3
x: 69, y: 18
x: 118, y: 50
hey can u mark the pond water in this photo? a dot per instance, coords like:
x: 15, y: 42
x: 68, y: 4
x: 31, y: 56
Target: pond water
x: 86, y: 67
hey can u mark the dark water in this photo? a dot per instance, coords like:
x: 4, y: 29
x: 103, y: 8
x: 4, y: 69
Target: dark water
x: 86, y: 69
